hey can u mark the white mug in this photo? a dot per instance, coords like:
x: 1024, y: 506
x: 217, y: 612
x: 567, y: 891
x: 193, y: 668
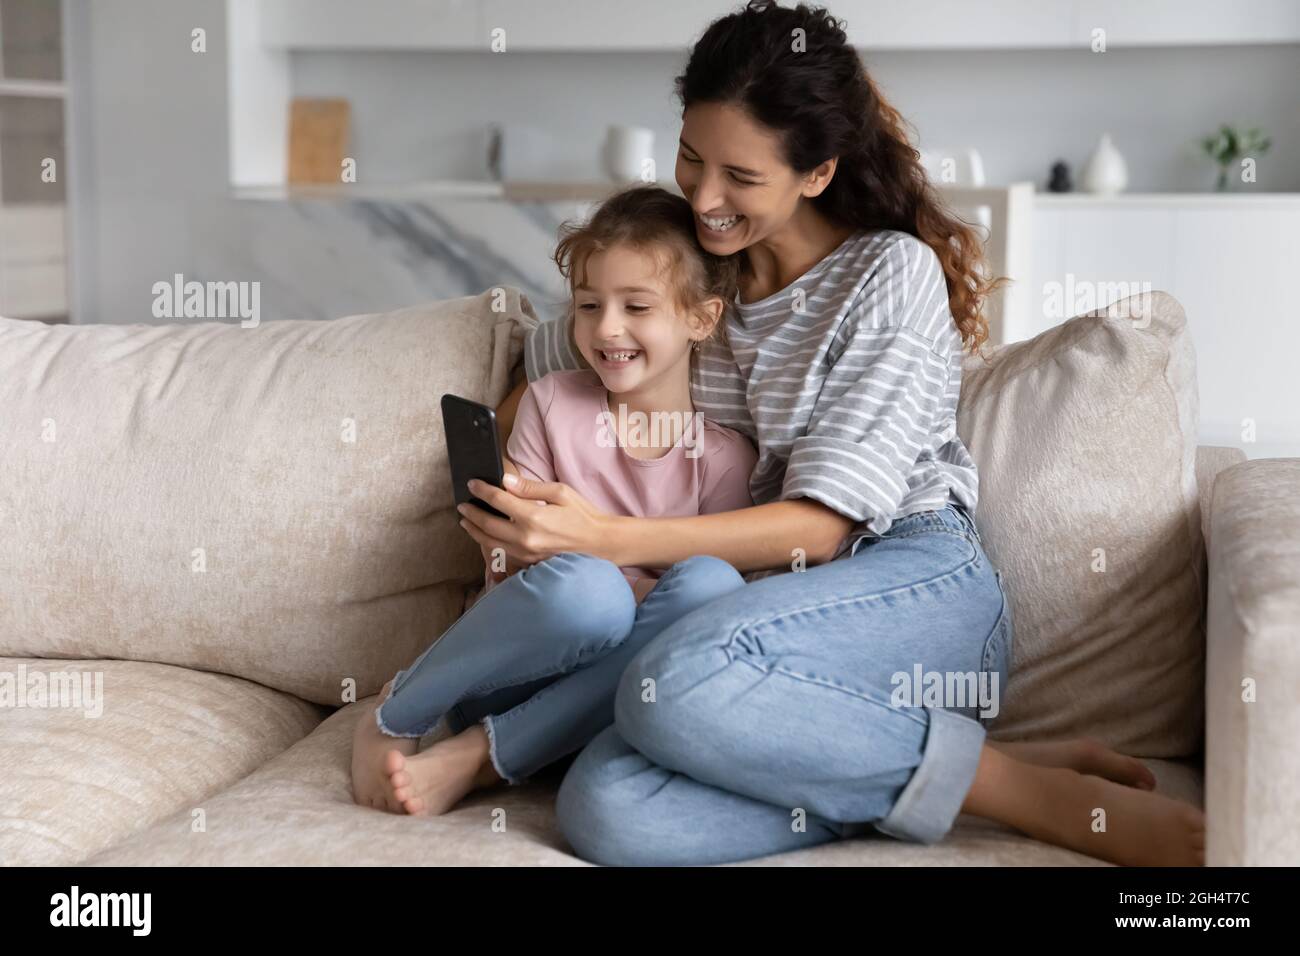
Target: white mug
x: 629, y: 154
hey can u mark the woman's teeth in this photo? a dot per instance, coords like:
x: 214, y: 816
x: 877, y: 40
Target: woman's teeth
x: 720, y: 225
x: 619, y: 356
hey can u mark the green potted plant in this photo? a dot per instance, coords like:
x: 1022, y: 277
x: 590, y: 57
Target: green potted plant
x: 1229, y: 145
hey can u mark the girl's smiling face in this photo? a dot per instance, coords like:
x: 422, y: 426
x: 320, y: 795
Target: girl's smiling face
x: 734, y: 174
x: 627, y: 323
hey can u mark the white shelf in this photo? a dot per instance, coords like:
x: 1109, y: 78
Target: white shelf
x: 511, y: 191
x: 1210, y: 200
x: 48, y: 89
x: 449, y: 189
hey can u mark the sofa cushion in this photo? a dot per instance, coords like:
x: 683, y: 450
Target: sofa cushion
x: 1210, y: 461
x: 298, y: 810
x: 1085, y: 440
x: 94, y: 750
x: 270, y: 502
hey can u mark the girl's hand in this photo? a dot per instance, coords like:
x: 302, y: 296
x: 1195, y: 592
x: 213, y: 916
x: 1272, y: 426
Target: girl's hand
x: 546, y: 518
x: 490, y: 555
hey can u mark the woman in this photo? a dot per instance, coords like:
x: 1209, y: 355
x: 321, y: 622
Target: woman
x: 769, y: 719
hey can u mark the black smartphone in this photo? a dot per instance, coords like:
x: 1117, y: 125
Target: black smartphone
x: 473, y: 448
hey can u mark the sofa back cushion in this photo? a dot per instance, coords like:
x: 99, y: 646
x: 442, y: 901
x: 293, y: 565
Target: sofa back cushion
x: 270, y: 502
x: 1085, y: 441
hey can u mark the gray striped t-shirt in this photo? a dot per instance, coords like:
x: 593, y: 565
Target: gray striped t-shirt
x: 846, y: 380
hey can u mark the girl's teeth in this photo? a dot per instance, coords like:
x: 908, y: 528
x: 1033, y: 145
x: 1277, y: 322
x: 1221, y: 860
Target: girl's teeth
x: 619, y: 356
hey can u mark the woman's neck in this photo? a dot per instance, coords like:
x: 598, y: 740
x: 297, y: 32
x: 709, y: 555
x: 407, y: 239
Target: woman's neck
x: 777, y: 260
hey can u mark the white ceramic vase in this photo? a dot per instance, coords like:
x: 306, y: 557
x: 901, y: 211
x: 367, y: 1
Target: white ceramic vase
x: 628, y: 154
x: 1105, y: 172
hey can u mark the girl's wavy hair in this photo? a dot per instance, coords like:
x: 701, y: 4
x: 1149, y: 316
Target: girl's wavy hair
x: 650, y: 219
x: 821, y: 103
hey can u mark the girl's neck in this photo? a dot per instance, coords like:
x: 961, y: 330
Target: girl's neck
x: 668, y: 396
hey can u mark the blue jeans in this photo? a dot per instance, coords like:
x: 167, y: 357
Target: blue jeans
x: 538, y: 658
x: 775, y: 718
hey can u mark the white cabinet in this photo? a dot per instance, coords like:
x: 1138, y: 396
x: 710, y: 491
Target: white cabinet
x: 1186, y: 22
x: 34, y: 163
x: 374, y: 24
x: 1230, y: 261
x: 33, y: 261
x: 954, y: 24
x: 559, y: 25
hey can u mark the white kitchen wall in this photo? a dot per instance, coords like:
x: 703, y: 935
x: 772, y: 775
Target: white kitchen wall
x: 153, y: 154
x: 418, y: 114
x: 150, y: 145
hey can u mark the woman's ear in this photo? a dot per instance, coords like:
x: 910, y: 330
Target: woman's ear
x: 816, y: 181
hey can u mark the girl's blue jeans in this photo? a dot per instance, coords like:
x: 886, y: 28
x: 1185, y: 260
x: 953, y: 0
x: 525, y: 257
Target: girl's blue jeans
x: 729, y: 720
x: 773, y: 718
x: 538, y: 658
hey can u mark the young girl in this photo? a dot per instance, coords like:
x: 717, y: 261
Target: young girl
x: 529, y: 673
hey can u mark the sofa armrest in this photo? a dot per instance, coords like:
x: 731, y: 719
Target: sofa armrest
x: 1252, y: 764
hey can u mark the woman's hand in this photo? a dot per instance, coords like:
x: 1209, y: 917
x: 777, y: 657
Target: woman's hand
x: 546, y: 518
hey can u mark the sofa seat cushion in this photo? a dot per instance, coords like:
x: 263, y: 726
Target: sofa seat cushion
x: 298, y: 810
x: 93, y: 751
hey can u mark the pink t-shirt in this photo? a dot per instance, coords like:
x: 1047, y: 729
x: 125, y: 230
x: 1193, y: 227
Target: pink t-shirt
x: 565, y: 431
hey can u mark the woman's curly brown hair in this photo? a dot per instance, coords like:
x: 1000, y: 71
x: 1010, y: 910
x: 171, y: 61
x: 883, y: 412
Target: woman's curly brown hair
x: 817, y: 97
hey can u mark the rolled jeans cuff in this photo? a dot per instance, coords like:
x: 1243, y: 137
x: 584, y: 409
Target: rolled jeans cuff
x: 925, y: 810
x: 502, y: 772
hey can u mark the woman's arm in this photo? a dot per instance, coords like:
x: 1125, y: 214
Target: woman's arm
x: 751, y: 539
x: 506, y: 412
x: 766, y: 536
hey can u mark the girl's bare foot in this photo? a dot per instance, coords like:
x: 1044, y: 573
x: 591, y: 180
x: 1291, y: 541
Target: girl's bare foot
x: 433, y: 781
x: 1086, y: 813
x: 370, y: 747
x: 1084, y: 754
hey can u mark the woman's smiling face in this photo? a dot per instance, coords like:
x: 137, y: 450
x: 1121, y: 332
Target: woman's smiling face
x: 732, y: 171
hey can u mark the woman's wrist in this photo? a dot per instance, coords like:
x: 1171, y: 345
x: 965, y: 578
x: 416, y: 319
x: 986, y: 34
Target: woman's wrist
x: 617, y: 532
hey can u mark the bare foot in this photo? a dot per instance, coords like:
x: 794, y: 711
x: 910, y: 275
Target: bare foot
x: 370, y: 748
x: 1082, y: 812
x: 433, y: 781
x: 1084, y: 754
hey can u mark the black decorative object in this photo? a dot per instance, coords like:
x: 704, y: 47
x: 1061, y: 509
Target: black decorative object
x: 1060, y: 181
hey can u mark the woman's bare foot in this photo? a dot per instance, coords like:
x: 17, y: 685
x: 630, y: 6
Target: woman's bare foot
x: 1086, y: 813
x: 370, y: 747
x: 432, y: 782
x: 1084, y: 754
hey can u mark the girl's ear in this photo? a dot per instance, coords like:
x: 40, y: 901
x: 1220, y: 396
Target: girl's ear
x: 707, y: 315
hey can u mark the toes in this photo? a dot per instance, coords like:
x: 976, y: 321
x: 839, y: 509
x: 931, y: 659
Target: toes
x: 414, y: 806
x: 393, y: 762
x: 400, y: 779
x: 1137, y: 773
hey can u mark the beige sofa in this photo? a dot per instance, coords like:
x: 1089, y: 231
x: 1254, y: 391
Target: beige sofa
x: 216, y: 541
